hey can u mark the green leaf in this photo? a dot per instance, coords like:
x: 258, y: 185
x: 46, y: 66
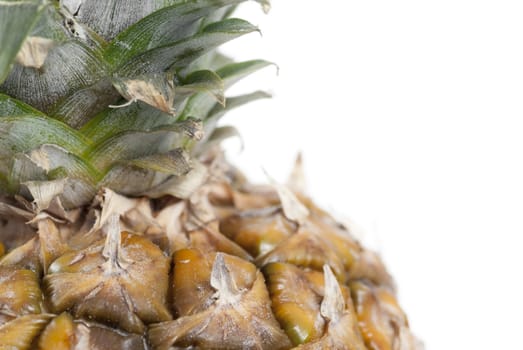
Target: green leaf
x: 216, y: 137
x: 138, y: 116
x: 200, y: 105
x: 234, y: 72
x: 218, y: 15
x: 160, y: 28
x: 73, y: 193
x: 16, y: 20
x: 69, y: 68
x: 132, y: 181
x: 235, y: 102
x: 233, y: 25
x: 136, y: 144
x: 26, y: 132
x: 180, y: 186
x: 52, y: 157
x: 110, y: 17
x: 213, y: 60
x: 174, y: 162
x: 182, y: 53
x: 204, y: 81
x: 11, y: 107
x: 60, y: 69
x: 50, y: 25
x: 79, y: 107
x: 231, y: 103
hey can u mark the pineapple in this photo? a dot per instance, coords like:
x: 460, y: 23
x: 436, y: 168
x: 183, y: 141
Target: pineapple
x: 123, y: 226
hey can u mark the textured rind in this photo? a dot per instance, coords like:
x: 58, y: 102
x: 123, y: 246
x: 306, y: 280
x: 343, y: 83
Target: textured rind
x: 212, y: 262
x: 178, y: 282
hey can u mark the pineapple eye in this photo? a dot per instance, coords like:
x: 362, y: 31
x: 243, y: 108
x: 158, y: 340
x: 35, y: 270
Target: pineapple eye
x: 123, y: 226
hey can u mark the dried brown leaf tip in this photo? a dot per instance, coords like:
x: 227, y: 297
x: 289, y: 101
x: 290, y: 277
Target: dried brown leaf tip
x: 193, y: 289
x: 106, y: 281
x: 156, y: 90
x: 106, y: 204
x: 297, y: 181
x: 333, y: 305
x: 358, y: 261
x: 269, y: 235
x: 14, y: 230
x: 319, y: 241
x: 52, y: 242
x: 34, y: 51
x: 341, y: 330
x: 293, y: 209
x: 238, y: 317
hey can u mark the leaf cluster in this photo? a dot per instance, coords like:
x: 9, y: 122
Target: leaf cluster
x: 87, y: 96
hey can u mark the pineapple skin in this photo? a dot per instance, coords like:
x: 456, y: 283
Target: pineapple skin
x: 121, y: 224
x: 227, y: 268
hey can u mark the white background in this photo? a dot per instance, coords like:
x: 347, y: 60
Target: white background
x: 410, y: 118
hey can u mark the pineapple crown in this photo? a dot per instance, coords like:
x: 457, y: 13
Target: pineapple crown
x: 114, y: 94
